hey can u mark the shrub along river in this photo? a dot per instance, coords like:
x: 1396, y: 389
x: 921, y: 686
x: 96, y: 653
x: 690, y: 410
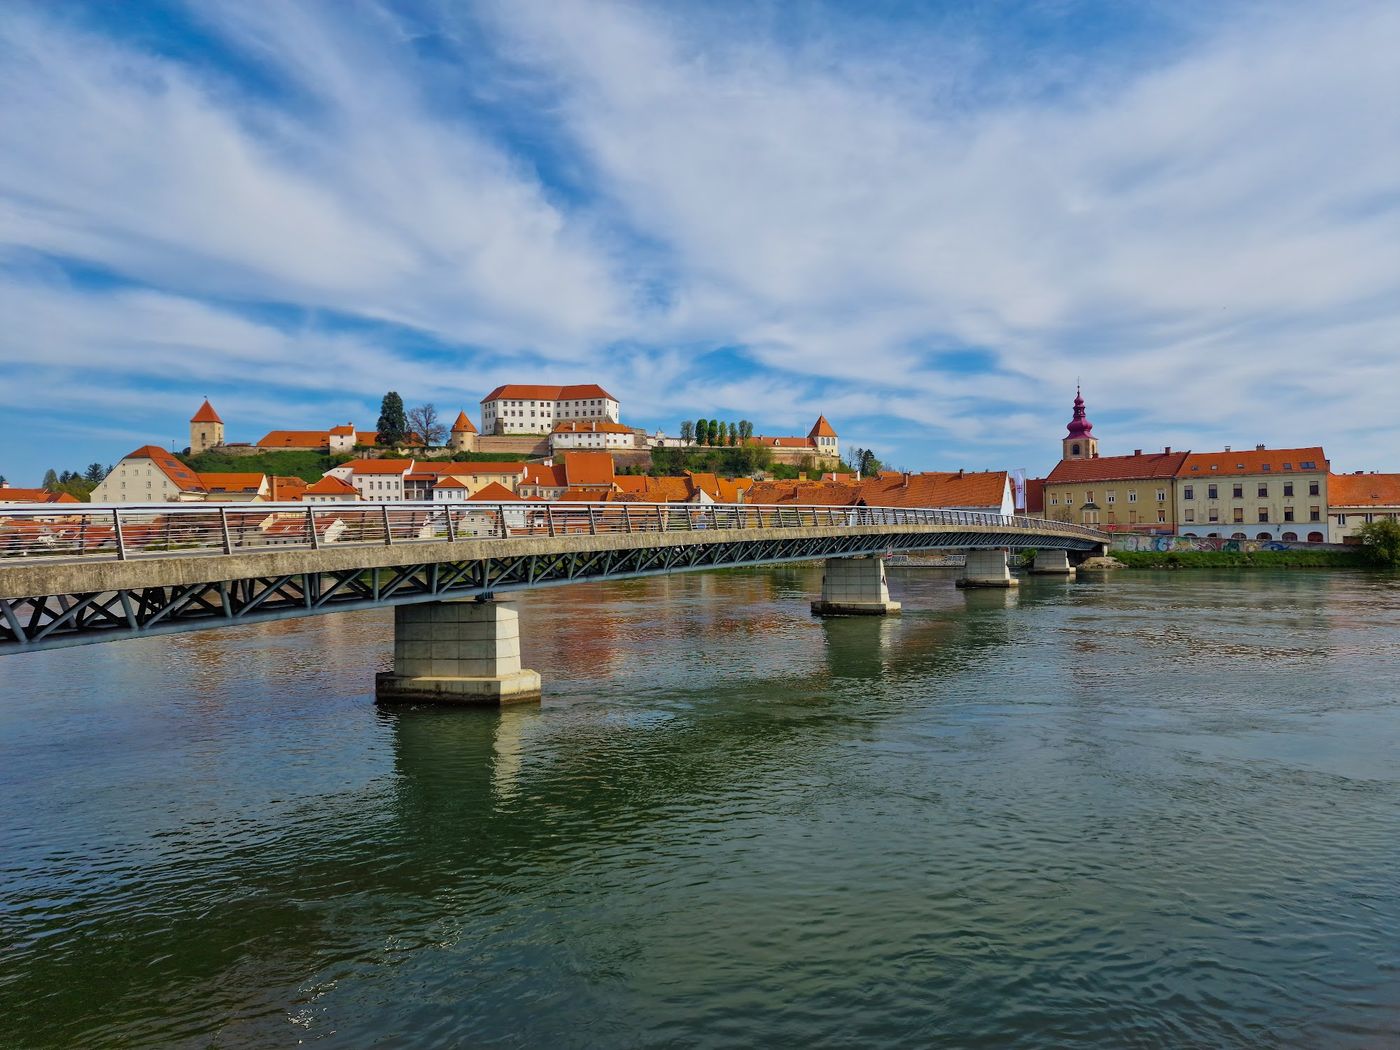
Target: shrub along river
x: 1153, y: 809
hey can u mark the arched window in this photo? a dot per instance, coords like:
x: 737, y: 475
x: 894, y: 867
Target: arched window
x: 1074, y: 450
x: 1189, y: 535
x: 1291, y: 537
x: 1238, y: 536
x: 1263, y: 536
x: 1314, y: 537
x: 1212, y: 535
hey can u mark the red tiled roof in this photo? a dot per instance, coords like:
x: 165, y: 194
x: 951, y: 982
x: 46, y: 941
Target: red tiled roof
x: 330, y: 485
x: 9, y: 494
x: 206, y: 414
x: 232, y: 482
x: 451, y: 481
x: 1254, y: 461
x: 539, y: 392
x: 821, y: 429
x: 780, y: 442
x: 180, y: 475
x: 1357, y: 490
x: 494, y: 493
x: 343, y: 430
x: 379, y: 466
x: 283, y: 489
x: 803, y: 493
x: 463, y: 424
x: 981, y: 489
x: 585, y: 496
x: 542, y: 475
x: 1146, y: 467
x: 294, y: 439
x: 588, y: 468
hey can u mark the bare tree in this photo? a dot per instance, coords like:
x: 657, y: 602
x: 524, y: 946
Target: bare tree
x: 424, y: 422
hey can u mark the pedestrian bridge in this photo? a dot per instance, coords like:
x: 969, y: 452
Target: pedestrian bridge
x: 73, y: 575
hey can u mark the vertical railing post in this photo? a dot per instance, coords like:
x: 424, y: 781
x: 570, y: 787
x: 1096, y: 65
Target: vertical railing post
x: 117, y: 532
x: 714, y: 517
x: 592, y: 522
x: 311, y: 526
x: 451, y: 528
x: 388, y: 529
x: 626, y: 518
x: 223, y: 527
x: 501, y: 517
x: 549, y: 517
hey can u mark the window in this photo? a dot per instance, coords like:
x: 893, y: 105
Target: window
x: 1314, y: 537
x: 1288, y: 466
x: 1188, y: 492
x: 1341, y: 519
x: 1239, y: 492
x: 1074, y: 450
x: 1112, y: 518
x: 1313, y: 488
x: 1161, y: 517
x: 1089, y: 496
x: 1239, y: 515
x: 1112, y: 495
x: 1054, y: 501
x: 1161, y: 495
x: 1266, y: 467
x: 1288, y: 488
x: 1263, y: 491
x: 1214, y: 514
x: 1263, y: 514
x: 1188, y: 515
x: 1314, y: 514
x: 1368, y: 518
x: 1287, y: 513
x: 1132, y: 495
x: 1212, y: 492
x: 1308, y: 464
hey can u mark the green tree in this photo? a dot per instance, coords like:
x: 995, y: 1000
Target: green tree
x: 733, y: 434
x: 392, y: 422
x: 687, y: 431
x: 869, y: 465
x: 745, y: 429
x: 1380, y: 542
x: 50, y: 481
x: 94, y: 473
x: 705, y: 433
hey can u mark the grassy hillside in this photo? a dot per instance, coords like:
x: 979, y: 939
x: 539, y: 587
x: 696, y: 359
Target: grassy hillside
x: 292, y: 463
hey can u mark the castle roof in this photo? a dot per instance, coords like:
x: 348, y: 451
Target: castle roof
x: 538, y: 392
x: 821, y: 429
x: 206, y: 414
x: 463, y: 425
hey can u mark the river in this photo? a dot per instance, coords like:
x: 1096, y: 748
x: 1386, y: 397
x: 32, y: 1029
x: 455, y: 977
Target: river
x: 1157, y: 809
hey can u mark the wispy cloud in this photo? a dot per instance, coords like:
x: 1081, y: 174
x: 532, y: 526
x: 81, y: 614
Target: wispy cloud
x: 717, y: 210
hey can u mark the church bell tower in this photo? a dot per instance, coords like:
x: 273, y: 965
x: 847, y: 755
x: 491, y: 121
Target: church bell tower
x: 1079, y: 441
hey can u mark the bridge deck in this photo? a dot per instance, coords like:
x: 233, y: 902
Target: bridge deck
x: 182, y: 568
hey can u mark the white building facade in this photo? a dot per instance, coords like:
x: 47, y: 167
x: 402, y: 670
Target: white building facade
x: 521, y: 408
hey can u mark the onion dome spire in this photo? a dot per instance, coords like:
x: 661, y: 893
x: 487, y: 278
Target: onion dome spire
x: 1079, y: 426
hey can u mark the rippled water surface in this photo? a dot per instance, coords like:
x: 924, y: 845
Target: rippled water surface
x: 1156, y: 810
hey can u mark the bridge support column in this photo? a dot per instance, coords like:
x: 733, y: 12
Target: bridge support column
x: 987, y: 569
x: 855, y: 587
x: 1052, y: 563
x: 463, y: 652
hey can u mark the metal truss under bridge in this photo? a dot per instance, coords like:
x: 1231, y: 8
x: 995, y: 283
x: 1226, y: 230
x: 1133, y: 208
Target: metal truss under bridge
x: 71, y: 575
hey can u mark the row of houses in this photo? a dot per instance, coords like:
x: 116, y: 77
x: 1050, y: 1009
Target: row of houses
x: 1272, y: 494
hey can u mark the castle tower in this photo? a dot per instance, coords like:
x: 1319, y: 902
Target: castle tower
x: 463, y: 437
x: 1079, y: 441
x: 823, y: 438
x: 206, y: 428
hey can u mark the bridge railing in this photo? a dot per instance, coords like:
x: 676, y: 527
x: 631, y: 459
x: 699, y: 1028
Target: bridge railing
x: 130, y: 531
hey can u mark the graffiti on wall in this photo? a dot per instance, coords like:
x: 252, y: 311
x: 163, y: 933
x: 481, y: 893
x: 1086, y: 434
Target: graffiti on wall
x: 1202, y: 543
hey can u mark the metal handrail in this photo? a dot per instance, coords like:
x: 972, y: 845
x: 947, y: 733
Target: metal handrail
x: 121, y: 532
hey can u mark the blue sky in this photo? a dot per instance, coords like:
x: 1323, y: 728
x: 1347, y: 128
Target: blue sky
x: 924, y: 220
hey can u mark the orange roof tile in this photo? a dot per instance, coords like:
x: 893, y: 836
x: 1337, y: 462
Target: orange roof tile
x: 294, y: 439
x: 590, y: 426
x: 330, y: 485
x: 502, y: 467
x: 206, y: 414
x: 283, y: 489
x: 538, y: 392
x: 980, y: 489
x: 180, y: 475
x: 494, y: 493
x: 10, y: 494
x: 463, y: 424
x: 379, y: 466
x: 1363, y: 490
x: 232, y: 482
x: 821, y: 429
x: 541, y: 475
x: 451, y: 481
x: 1146, y: 467
x: 1253, y: 461
x: 589, y: 468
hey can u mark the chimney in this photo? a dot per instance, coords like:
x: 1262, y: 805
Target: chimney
x: 906, y: 480
x: 1227, y: 448
x: 1167, y: 451
x: 1137, y: 451
x: 1258, y: 448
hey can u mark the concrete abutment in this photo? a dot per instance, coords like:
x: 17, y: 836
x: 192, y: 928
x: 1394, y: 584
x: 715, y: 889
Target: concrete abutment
x: 1052, y: 563
x: 987, y: 568
x: 459, y: 652
x: 855, y: 587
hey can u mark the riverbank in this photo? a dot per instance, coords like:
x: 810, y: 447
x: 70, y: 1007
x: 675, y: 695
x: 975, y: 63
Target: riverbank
x: 1290, y: 559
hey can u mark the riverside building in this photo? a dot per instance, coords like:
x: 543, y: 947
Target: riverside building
x: 1260, y: 494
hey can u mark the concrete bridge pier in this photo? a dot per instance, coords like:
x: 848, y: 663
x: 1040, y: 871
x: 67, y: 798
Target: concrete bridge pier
x: 855, y: 587
x: 987, y: 568
x: 1052, y: 563
x: 462, y: 652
